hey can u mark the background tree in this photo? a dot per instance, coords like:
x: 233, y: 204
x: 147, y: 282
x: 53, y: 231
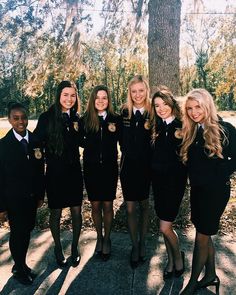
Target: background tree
x: 163, y: 43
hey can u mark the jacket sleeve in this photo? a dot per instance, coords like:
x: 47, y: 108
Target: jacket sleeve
x: 2, y: 182
x: 231, y: 147
x: 41, y: 129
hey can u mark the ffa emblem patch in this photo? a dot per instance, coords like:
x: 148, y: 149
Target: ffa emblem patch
x: 76, y: 126
x: 178, y: 133
x: 37, y: 153
x: 147, y: 124
x: 112, y: 127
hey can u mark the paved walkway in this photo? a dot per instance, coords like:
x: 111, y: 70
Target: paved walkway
x: 114, y: 277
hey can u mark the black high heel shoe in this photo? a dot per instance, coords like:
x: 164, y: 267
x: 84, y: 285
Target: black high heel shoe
x: 167, y: 274
x: 179, y: 272
x: 215, y: 282
x: 75, y: 260
x: 106, y: 256
x: 133, y: 263
x: 60, y: 259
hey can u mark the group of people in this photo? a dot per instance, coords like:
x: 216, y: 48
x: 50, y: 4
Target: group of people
x: 160, y: 145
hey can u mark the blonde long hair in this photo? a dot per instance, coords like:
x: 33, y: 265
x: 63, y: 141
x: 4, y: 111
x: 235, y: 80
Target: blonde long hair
x: 129, y: 104
x: 213, y: 132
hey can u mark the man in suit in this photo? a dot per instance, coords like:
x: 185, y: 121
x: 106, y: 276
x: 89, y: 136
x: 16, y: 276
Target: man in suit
x: 21, y: 187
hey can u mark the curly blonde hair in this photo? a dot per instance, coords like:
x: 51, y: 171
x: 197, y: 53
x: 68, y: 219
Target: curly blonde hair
x: 213, y: 134
x: 129, y: 104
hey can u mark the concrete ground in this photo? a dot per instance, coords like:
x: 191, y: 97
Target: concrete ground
x: 114, y: 277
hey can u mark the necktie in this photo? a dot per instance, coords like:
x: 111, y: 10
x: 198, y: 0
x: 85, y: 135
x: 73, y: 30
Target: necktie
x: 100, y: 119
x: 165, y: 126
x: 66, y: 119
x: 138, y: 115
x: 200, y: 131
x: 24, y: 144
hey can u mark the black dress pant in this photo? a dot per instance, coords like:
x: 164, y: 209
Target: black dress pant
x: 21, y: 215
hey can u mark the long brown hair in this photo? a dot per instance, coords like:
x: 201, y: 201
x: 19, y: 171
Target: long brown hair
x: 55, y: 128
x: 166, y: 95
x: 91, y: 120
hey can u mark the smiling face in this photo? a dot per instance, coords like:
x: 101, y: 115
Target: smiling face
x: 67, y: 98
x: 195, y: 111
x: 163, y: 110
x: 19, y: 121
x: 138, y: 94
x: 101, y: 101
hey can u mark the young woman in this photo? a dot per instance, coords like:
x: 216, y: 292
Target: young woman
x: 135, y: 163
x: 22, y: 187
x: 169, y: 175
x: 209, y: 150
x: 58, y: 129
x: 101, y: 133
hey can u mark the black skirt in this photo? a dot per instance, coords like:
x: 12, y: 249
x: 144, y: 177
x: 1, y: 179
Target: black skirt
x: 168, y: 192
x: 207, y: 205
x: 64, y: 185
x: 101, y: 181
x: 135, y: 179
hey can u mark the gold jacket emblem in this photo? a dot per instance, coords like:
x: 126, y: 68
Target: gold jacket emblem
x: 178, y: 134
x: 112, y: 127
x: 76, y: 126
x: 37, y: 153
x: 147, y: 124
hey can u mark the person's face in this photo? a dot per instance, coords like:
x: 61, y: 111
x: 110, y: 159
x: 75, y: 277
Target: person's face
x: 67, y: 98
x: 138, y: 94
x: 101, y: 101
x: 195, y: 111
x: 163, y: 110
x: 19, y: 121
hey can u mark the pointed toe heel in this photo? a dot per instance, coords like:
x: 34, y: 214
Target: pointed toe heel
x: 60, y: 259
x: 179, y: 272
x: 215, y: 282
x: 75, y: 260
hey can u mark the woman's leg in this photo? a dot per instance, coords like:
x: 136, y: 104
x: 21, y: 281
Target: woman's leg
x: 76, y: 226
x: 107, y: 221
x: 143, y: 225
x: 172, y: 246
x: 54, y: 223
x: 97, y: 219
x: 133, y: 229
x: 200, y: 257
x: 210, y: 271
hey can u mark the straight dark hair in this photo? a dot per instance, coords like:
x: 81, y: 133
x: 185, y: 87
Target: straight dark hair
x: 55, y: 128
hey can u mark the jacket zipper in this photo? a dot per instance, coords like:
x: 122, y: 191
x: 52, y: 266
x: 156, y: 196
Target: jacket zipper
x: 101, y: 146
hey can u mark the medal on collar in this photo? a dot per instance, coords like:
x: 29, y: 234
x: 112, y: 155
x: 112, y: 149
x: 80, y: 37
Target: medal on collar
x: 147, y: 124
x: 37, y: 153
x: 76, y: 126
x: 178, y: 133
x: 112, y: 127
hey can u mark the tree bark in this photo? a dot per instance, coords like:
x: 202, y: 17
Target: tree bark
x: 163, y: 43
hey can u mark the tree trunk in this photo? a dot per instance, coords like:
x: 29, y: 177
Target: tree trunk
x: 163, y: 43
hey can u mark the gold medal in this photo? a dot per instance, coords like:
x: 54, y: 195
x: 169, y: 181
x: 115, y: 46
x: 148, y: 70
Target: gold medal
x: 178, y: 133
x: 112, y: 127
x: 37, y: 153
x: 76, y: 126
x: 147, y: 124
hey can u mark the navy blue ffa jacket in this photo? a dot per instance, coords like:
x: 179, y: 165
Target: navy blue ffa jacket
x: 211, y: 171
x: 21, y: 176
x: 136, y: 136
x: 165, y: 155
x: 101, y: 146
